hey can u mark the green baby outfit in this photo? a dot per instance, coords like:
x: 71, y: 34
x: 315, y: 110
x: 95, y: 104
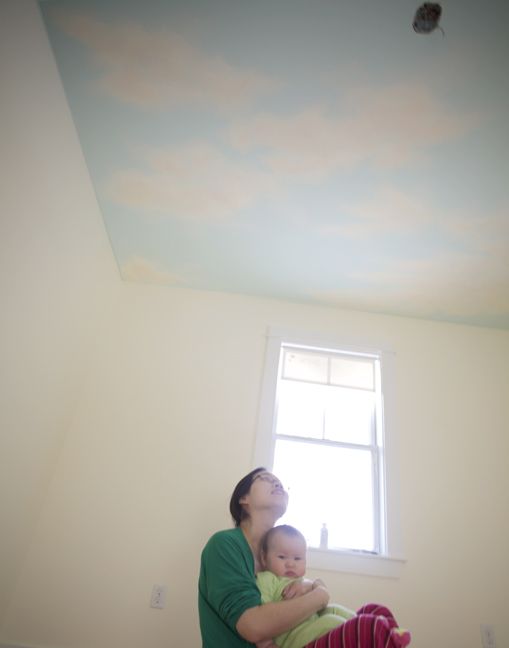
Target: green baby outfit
x: 271, y: 588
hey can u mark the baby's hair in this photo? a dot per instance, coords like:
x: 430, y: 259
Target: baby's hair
x: 286, y: 529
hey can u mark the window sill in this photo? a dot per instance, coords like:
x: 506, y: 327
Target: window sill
x: 355, y: 563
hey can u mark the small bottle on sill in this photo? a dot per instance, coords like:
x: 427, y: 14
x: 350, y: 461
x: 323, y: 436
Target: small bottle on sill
x: 324, y: 537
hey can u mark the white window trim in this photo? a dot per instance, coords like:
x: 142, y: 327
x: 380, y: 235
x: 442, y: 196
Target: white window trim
x: 391, y: 562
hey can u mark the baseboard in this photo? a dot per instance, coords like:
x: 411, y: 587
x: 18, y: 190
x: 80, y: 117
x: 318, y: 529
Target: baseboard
x: 19, y: 645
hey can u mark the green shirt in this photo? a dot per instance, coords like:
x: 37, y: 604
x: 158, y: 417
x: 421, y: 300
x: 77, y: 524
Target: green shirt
x: 226, y: 589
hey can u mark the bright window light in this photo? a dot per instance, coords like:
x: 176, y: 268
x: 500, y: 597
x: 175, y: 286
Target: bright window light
x: 328, y: 446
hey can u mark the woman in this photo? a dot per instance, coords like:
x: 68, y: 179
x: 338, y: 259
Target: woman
x: 229, y: 602
x: 231, y: 613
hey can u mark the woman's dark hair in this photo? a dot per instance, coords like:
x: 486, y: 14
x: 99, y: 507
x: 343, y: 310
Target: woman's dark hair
x: 242, y: 488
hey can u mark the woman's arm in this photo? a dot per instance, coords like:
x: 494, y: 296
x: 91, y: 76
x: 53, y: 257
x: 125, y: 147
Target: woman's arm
x: 269, y: 620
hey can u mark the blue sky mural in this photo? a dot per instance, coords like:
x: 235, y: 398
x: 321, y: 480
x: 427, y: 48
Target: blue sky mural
x: 312, y: 151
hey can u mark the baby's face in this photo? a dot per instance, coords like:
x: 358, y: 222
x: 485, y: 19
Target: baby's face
x: 286, y: 556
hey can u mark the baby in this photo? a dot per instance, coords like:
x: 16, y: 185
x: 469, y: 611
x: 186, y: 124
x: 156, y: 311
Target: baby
x: 283, y: 556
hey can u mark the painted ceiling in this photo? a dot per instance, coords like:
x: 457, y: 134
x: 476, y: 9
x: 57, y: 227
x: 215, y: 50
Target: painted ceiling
x: 317, y: 151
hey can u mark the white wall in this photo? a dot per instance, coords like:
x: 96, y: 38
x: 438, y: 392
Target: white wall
x: 166, y: 426
x: 56, y: 274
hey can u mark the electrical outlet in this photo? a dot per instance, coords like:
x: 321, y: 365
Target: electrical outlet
x: 488, y: 636
x: 158, y: 597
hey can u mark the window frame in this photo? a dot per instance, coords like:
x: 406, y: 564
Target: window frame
x: 389, y: 562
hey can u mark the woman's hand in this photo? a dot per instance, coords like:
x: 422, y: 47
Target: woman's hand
x: 297, y: 588
x: 322, y: 592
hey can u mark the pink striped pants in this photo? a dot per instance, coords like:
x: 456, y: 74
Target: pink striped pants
x: 374, y: 626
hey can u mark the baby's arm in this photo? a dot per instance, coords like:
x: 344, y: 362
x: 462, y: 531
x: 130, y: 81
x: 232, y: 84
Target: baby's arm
x: 301, y: 586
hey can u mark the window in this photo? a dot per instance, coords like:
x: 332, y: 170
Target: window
x: 322, y: 433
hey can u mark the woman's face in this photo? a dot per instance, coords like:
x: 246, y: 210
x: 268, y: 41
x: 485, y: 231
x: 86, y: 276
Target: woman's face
x: 266, y: 492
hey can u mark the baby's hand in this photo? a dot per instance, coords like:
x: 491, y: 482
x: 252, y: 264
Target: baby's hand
x: 297, y: 588
x: 266, y: 643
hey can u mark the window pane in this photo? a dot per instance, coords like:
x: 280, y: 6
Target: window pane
x: 331, y: 485
x: 304, y: 365
x: 349, y: 415
x: 300, y: 409
x: 351, y: 372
